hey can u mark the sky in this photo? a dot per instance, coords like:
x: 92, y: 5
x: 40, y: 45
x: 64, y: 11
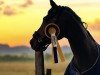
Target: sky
x: 20, y: 18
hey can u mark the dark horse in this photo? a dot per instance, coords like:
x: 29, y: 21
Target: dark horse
x: 86, y: 59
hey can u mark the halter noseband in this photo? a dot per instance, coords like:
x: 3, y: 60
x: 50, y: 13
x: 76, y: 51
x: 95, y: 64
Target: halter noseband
x: 40, y: 40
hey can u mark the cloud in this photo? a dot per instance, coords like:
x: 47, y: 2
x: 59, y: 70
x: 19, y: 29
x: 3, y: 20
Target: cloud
x: 30, y: 2
x: 27, y: 3
x: 8, y: 11
x: 1, y: 2
x: 11, y: 9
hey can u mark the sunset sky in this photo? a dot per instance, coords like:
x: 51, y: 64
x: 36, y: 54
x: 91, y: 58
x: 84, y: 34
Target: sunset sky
x: 20, y: 18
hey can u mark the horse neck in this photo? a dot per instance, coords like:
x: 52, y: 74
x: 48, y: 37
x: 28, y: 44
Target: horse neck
x: 83, y: 47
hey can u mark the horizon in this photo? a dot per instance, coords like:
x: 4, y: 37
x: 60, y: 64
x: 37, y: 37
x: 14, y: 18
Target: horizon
x: 20, y: 18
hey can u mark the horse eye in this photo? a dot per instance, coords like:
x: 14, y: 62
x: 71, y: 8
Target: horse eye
x: 40, y: 40
x: 44, y: 18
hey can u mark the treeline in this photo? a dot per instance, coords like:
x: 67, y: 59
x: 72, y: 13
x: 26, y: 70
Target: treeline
x: 25, y: 57
x: 5, y: 58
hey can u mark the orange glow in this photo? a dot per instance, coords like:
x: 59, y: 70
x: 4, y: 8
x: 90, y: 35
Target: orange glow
x: 18, y: 22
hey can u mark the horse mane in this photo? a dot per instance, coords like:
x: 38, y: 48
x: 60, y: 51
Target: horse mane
x: 72, y: 12
x: 78, y: 20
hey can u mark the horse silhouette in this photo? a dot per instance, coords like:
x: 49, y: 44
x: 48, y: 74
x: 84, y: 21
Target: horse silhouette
x: 86, y: 59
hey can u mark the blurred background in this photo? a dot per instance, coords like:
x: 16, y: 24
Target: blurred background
x: 18, y: 21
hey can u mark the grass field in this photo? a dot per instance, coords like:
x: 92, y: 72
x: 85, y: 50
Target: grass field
x: 14, y: 65
x: 28, y: 68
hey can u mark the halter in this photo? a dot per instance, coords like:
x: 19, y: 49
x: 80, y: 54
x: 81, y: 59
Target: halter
x: 40, y: 41
x: 40, y: 38
x: 54, y: 26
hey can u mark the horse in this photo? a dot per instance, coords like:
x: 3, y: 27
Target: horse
x: 86, y: 51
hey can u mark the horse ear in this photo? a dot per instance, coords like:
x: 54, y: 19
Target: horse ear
x: 52, y: 3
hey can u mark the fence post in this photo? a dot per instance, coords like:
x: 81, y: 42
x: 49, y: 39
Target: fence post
x: 48, y: 72
x: 39, y: 63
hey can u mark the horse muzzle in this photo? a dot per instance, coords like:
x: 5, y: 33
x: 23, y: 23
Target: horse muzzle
x: 39, y: 42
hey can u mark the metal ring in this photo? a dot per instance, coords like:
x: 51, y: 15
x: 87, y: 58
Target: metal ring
x: 52, y: 25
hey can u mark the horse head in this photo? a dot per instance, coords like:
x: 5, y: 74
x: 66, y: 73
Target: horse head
x: 57, y: 17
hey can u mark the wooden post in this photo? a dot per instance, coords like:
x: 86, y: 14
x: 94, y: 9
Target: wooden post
x: 48, y: 72
x: 39, y: 63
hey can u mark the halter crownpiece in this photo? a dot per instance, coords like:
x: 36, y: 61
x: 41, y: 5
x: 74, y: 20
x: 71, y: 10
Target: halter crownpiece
x: 52, y: 31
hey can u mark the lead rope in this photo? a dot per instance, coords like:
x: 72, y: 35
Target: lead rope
x: 55, y: 46
x: 51, y: 31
